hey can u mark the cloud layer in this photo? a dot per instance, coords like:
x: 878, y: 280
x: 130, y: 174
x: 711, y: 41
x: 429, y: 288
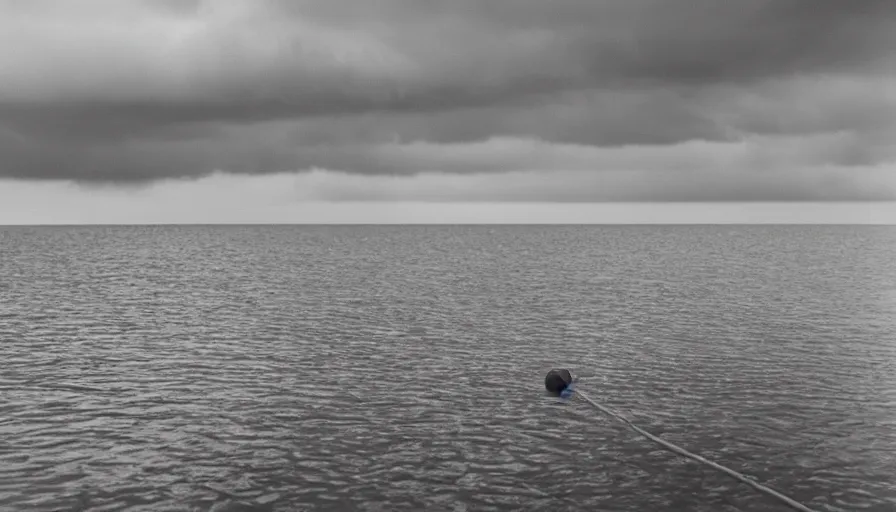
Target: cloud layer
x: 579, y: 99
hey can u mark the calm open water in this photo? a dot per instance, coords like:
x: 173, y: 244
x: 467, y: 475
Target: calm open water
x: 401, y: 368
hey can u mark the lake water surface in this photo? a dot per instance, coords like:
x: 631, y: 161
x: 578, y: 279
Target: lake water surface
x: 401, y: 368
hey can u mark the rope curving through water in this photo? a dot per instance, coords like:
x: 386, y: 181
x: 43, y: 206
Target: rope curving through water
x: 684, y: 453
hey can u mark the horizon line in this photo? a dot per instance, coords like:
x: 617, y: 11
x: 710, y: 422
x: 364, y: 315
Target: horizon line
x: 449, y: 224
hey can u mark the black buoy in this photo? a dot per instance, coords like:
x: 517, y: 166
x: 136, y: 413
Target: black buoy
x: 557, y: 380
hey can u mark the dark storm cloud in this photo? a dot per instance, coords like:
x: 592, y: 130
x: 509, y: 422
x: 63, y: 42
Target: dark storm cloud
x: 128, y: 91
x: 289, y: 58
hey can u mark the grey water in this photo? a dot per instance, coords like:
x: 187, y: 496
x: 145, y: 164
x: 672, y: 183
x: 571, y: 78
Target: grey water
x: 401, y: 368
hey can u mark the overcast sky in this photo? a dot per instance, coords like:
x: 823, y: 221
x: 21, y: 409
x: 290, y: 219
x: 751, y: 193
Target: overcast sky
x: 305, y: 104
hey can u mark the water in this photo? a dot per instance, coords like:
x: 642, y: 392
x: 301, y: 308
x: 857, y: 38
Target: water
x: 401, y: 368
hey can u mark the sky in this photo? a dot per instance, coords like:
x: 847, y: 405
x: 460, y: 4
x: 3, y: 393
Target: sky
x: 185, y: 111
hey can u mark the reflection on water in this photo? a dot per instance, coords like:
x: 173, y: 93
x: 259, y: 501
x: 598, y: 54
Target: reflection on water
x: 401, y: 368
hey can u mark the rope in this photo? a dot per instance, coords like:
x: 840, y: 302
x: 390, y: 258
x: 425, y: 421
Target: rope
x: 681, y: 451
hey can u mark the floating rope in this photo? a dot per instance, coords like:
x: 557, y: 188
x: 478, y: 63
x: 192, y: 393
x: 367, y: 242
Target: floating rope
x: 570, y: 390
